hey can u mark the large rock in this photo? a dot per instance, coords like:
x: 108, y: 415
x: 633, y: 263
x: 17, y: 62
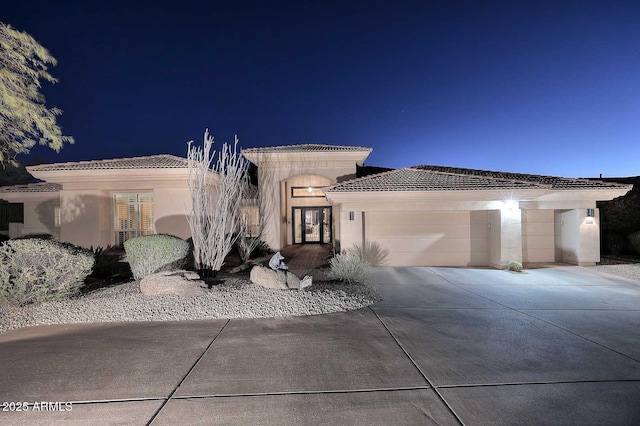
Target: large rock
x: 269, y: 278
x: 182, y: 283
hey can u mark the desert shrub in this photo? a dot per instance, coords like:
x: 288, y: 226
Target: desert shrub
x: 514, y: 266
x: 154, y: 253
x: 261, y: 249
x: 634, y: 239
x: 35, y: 236
x: 347, y: 267
x: 106, y: 261
x: 371, y: 253
x: 35, y: 270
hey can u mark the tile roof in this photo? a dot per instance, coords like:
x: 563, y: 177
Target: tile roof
x: 553, y: 181
x: 312, y: 147
x: 32, y: 187
x: 161, y: 161
x: 425, y: 180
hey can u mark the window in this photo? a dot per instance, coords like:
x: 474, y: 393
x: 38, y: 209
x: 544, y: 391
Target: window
x: 133, y: 216
x: 10, y: 212
x: 307, y: 191
x: 251, y: 217
x: 57, y: 220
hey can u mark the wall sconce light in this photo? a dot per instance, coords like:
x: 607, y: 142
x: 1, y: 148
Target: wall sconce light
x: 352, y: 216
x: 590, y: 212
x: 511, y: 204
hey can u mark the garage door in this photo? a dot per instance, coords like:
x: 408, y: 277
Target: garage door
x: 422, y: 238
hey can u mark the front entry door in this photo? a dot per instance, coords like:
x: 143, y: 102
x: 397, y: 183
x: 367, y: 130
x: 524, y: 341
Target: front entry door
x: 311, y: 225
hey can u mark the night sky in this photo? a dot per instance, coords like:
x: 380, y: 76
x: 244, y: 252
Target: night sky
x: 545, y: 87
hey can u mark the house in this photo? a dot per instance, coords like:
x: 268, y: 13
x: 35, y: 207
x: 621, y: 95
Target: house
x: 101, y: 203
x: 427, y: 215
x: 313, y: 193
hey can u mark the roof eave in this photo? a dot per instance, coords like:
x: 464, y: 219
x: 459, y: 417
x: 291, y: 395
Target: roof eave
x: 101, y: 175
x: 436, y: 195
x: 357, y: 156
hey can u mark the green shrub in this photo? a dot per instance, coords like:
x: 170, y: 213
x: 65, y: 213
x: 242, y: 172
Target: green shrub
x: 3, y: 238
x: 347, y: 267
x: 154, y: 253
x: 634, y: 239
x: 514, y: 266
x: 371, y: 253
x: 34, y: 270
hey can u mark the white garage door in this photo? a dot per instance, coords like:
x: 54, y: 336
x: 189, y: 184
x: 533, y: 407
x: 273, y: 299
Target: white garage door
x: 440, y: 238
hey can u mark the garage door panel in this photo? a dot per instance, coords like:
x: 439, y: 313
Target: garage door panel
x: 425, y: 244
x: 428, y: 259
x: 421, y: 230
x: 424, y: 239
x: 540, y: 242
x: 434, y: 218
x: 538, y: 229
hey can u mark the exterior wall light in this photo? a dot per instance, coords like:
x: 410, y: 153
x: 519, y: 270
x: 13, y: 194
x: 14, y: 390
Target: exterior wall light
x: 511, y: 204
x: 352, y: 216
x: 590, y: 212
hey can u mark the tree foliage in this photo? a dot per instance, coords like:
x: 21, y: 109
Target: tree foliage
x: 24, y: 119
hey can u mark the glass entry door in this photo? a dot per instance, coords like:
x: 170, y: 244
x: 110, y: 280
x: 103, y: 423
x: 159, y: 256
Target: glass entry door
x: 311, y: 225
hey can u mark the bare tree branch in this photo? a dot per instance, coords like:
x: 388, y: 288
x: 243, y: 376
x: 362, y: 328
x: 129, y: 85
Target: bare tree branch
x: 217, y: 189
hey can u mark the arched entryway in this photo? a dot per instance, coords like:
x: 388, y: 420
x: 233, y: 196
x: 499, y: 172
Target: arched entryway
x: 309, y: 215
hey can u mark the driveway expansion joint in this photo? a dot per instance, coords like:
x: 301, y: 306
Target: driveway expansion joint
x: 310, y: 392
x: 415, y: 364
x: 175, y: 389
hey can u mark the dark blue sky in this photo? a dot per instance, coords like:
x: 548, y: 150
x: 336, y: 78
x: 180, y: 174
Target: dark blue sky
x: 548, y: 87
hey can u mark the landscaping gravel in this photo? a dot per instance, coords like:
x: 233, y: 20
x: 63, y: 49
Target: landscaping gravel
x: 235, y: 298
x: 629, y: 270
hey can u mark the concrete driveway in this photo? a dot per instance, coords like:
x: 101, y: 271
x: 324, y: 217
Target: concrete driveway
x: 445, y: 346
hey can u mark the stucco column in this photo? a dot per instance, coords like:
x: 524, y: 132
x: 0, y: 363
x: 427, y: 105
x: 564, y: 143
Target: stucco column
x: 580, y: 242
x: 505, y: 236
x: 351, y: 229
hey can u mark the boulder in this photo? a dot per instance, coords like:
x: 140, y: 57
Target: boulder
x: 182, y: 283
x: 279, y: 280
x: 269, y: 278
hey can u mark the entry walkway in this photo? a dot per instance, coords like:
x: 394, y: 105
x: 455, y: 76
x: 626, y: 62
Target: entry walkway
x: 303, y: 258
x: 445, y: 346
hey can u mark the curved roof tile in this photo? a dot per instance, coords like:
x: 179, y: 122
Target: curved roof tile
x: 313, y: 147
x: 161, y: 161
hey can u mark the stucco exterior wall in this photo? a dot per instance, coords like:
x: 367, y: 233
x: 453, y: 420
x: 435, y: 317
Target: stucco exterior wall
x: 275, y: 181
x: 505, y: 236
x: 479, y: 238
x: 580, y: 237
x: 171, y: 207
x: 495, y: 238
x: 82, y: 219
x: 351, y: 229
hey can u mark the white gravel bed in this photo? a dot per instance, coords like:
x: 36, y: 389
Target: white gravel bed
x: 236, y: 298
x: 629, y: 270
